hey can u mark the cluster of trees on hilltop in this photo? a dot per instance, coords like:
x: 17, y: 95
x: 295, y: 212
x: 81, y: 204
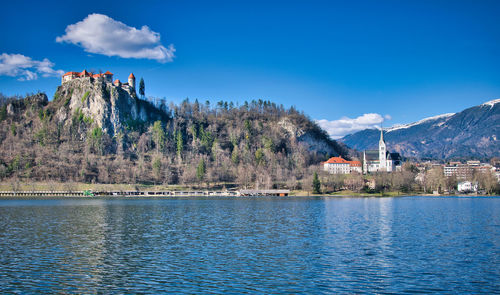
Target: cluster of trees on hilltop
x: 194, y: 144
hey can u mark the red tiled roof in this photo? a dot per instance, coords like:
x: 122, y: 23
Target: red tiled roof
x: 131, y: 75
x: 336, y: 160
x: 116, y: 81
x: 72, y: 73
x: 84, y: 73
x: 340, y: 160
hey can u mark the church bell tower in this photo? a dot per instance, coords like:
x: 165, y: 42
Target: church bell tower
x: 382, y: 152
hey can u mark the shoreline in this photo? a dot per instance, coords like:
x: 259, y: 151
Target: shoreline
x: 76, y: 190
x: 208, y: 194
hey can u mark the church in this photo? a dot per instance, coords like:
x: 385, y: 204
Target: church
x: 381, y: 160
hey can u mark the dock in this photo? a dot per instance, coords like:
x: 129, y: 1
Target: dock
x: 264, y: 192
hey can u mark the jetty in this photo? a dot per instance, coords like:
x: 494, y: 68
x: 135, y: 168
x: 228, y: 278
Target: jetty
x: 264, y: 192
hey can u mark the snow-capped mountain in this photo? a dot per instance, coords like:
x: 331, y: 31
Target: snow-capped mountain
x: 471, y: 133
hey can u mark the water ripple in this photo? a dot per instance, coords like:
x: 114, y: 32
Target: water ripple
x: 250, y: 245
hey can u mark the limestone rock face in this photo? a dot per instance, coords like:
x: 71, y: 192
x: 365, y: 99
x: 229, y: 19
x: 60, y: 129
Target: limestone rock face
x: 36, y: 100
x: 289, y: 127
x: 10, y: 109
x: 109, y: 106
x: 310, y: 135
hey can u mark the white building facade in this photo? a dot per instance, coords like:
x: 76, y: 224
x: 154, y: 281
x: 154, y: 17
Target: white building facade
x: 467, y: 187
x: 338, y: 165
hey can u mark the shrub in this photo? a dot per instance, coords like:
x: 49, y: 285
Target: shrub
x: 85, y: 96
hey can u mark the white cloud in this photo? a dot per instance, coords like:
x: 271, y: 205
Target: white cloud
x: 99, y: 33
x: 339, y: 128
x: 24, y: 67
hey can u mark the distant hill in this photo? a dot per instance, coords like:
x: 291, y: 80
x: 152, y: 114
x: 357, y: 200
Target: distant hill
x: 471, y: 133
x: 94, y: 131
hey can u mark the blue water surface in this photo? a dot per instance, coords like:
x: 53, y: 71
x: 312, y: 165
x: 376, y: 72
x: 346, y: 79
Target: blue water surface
x: 251, y: 245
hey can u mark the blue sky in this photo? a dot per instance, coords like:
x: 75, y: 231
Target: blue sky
x: 359, y: 61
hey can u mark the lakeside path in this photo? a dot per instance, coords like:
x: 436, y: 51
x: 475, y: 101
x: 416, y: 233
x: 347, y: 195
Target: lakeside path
x: 206, y: 193
x: 76, y: 189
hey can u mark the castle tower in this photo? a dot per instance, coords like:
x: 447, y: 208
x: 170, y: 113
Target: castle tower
x: 382, y: 152
x: 131, y: 80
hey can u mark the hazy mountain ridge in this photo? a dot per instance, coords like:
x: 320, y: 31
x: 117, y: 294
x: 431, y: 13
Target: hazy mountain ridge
x: 471, y: 133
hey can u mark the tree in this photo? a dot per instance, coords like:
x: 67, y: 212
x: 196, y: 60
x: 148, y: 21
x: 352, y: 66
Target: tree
x: 157, y: 168
x: 200, y: 170
x: 316, y: 184
x: 354, y: 182
x: 142, y: 88
x: 235, y: 156
x: 95, y: 140
x: 488, y: 181
x: 382, y: 181
x: 435, y: 180
x: 158, y: 136
x: 259, y: 156
x: 180, y: 143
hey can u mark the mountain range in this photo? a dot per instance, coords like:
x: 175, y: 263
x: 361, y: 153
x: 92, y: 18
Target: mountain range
x: 471, y: 133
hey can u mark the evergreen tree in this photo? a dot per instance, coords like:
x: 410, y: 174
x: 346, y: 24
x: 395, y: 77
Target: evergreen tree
x: 234, y: 156
x: 159, y: 136
x: 157, y: 169
x: 200, y: 170
x: 95, y: 140
x: 316, y: 184
x: 180, y: 143
x: 142, y: 88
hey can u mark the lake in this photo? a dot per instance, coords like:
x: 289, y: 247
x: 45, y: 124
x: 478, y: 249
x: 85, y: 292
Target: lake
x: 251, y: 245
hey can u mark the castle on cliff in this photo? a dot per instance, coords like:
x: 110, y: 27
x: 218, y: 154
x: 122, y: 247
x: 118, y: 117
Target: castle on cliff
x: 107, y: 76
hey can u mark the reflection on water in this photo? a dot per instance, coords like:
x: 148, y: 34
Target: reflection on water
x: 250, y: 245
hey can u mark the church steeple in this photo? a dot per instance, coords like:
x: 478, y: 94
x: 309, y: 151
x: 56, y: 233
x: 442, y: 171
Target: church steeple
x: 382, y: 151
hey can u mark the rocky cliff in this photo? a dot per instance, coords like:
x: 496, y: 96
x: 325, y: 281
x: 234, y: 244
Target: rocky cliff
x: 110, y: 107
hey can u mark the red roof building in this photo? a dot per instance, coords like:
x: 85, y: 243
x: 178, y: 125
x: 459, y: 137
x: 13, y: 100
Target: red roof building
x: 339, y: 165
x: 107, y: 77
x: 355, y: 163
x: 84, y: 73
x: 337, y: 160
x: 73, y: 75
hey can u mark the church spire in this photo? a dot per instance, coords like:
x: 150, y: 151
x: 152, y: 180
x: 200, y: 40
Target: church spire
x: 382, y: 151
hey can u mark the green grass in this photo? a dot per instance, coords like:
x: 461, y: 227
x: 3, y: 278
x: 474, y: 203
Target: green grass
x: 84, y: 97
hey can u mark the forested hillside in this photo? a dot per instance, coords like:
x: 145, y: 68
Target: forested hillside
x: 90, y: 132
